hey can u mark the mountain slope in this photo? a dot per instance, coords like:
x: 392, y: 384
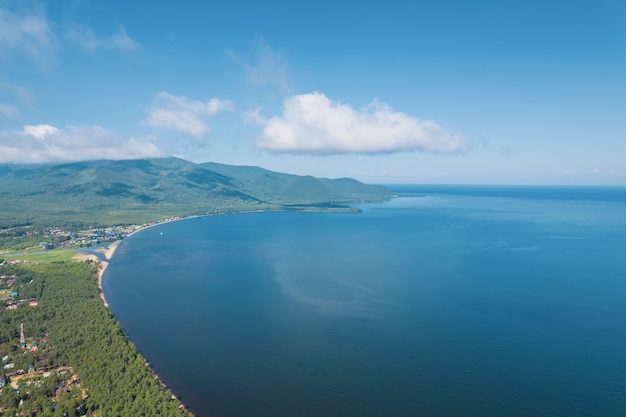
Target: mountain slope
x: 134, y: 191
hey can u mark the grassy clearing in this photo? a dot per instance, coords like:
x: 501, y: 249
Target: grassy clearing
x: 39, y: 255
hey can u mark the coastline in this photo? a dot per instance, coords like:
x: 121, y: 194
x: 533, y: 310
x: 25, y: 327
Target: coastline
x: 103, y: 266
x: 108, y: 254
x: 101, y: 269
x: 110, y: 251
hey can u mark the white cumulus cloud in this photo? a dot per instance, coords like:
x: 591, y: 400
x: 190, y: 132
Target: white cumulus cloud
x: 85, y: 37
x: 40, y: 131
x: 314, y: 124
x: 44, y: 143
x: 189, y: 117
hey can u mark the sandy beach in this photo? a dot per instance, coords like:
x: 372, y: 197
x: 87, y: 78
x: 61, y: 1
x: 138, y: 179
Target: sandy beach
x: 103, y: 264
x: 111, y: 250
x: 103, y: 267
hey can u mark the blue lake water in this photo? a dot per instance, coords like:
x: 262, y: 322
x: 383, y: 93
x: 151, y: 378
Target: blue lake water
x: 456, y: 301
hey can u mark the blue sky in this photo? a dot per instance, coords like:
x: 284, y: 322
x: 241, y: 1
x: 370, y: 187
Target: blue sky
x: 492, y: 92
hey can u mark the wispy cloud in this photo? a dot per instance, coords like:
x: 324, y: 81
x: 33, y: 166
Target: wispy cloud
x: 266, y: 68
x: 85, y: 37
x: 26, y: 30
x: 45, y: 143
x: 7, y: 112
x: 189, y: 117
x: 591, y: 174
x: 580, y: 173
x: 21, y: 94
x: 505, y: 151
x: 314, y: 124
x: 14, y: 98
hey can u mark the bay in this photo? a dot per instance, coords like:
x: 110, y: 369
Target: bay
x: 455, y: 301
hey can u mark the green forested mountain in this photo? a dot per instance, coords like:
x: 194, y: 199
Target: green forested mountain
x: 135, y: 191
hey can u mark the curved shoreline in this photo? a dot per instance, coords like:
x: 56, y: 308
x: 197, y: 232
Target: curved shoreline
x: 108, y: 254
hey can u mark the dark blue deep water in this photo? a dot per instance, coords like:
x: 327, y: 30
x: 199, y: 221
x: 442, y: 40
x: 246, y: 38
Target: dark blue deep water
x: 455, y: 301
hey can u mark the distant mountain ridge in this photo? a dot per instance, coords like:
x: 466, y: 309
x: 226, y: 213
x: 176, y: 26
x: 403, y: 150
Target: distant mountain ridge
x: 109, y: 192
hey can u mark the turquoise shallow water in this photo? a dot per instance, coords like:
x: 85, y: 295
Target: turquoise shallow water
x: 459, y: 301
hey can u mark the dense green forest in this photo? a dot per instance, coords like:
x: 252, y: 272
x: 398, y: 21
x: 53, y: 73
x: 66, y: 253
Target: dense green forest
x: 75, y: 359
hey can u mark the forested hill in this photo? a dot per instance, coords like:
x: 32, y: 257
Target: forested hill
x: 107, y: 192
